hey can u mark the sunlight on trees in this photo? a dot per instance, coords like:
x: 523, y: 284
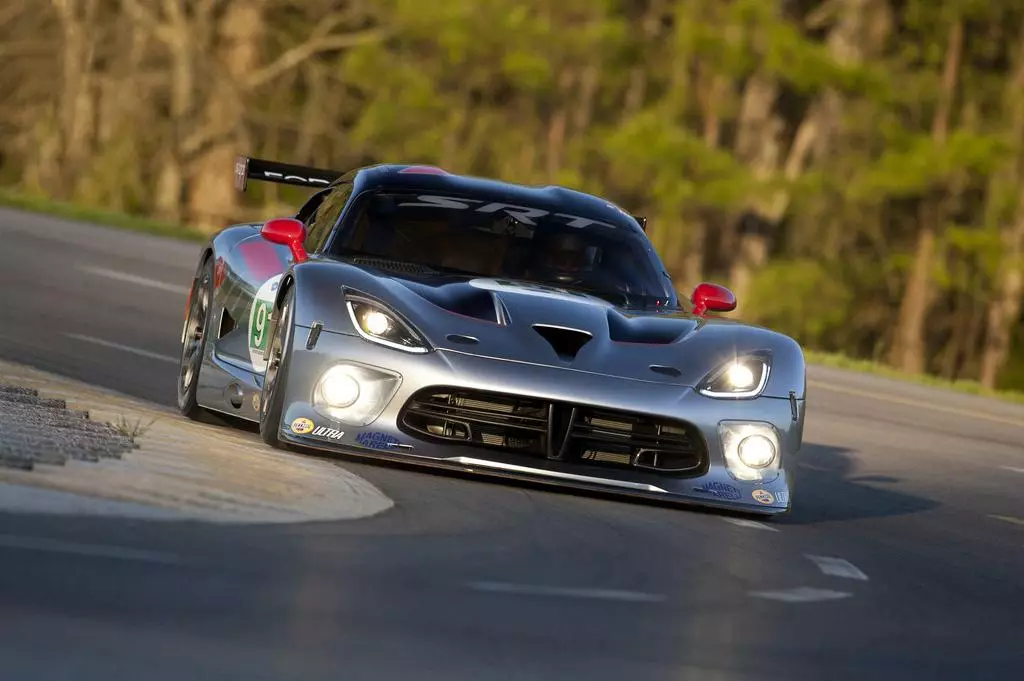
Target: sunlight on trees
x: 852, y: 168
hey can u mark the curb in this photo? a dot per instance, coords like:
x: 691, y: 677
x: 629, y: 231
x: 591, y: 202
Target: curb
x: 60, y: 455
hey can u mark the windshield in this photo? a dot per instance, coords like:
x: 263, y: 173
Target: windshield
x: 449, y: 234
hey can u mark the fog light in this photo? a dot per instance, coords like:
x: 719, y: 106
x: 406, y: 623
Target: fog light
x: 752, y: 450
x: 354, y: 394
x: 756, y: 451
x: 338, y: 388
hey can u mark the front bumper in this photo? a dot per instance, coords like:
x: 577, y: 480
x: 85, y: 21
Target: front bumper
x: 384, y: 438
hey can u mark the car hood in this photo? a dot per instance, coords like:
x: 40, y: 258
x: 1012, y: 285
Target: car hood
x: 520, y: 321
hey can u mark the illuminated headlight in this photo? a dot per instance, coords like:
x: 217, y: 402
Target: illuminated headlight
x: 354, y: 394
x: 741, y: 377
x: 751, y: 450
x: 377, y: 324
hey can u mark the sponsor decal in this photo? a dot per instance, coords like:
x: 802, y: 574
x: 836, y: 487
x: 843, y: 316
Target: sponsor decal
x: 782, y: 496
x: 256, y: 401
x: 328, y: 433
x: 302, y: 426
x: 763, y: 496
x: 720, y: 489
x: 259, y: 322
x: 271, y: 175
x: 377, y: 440
x: 524, y: 214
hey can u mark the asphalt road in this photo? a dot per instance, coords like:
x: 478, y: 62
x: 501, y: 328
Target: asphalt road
x: 903, y: 559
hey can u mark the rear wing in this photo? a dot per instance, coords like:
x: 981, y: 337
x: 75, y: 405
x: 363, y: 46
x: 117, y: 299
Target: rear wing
x: 247, y: 168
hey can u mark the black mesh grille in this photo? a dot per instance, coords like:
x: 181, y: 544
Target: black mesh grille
x: 555, y: 430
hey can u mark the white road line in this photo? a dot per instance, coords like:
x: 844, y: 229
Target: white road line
x: 536, y: 590
x: 1008, y: 519
x: 123, y: 348
x: 838, y: 567
x: 133, y: 279
x: 11, y: 541
x: 802, y: 594
x: 1012, y: 469
x: 743, y: 522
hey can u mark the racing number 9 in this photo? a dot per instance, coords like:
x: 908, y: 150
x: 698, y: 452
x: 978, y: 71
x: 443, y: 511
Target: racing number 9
x: 259, y: 326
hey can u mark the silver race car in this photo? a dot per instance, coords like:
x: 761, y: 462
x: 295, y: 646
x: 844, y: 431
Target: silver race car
x: 532, y: 332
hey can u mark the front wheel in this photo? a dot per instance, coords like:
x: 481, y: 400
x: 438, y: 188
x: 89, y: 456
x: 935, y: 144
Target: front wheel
x: 275, y: 380
x: 193, y: 342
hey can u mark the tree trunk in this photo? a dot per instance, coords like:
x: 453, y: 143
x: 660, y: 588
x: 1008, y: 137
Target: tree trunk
x: 558, y: 124
x: 212, y: 198
x: 909, y: 350
x: 758, y: 142
x: 77, y: 100
x: 1004, y: 311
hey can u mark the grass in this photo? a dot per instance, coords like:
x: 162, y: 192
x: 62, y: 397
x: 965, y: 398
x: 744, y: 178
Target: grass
x: 135, y: 223
x: 131, y: 430
x: 140, y: 224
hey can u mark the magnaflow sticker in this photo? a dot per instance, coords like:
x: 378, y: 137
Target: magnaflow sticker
x: 377, y: 440
x: 259, y: 322
x: 720, y: 489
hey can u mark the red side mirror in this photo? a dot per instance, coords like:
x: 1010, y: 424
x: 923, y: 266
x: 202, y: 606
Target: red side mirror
x: 287, y: 232
x: 712, y: 298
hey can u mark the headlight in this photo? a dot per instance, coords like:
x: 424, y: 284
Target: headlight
x: 751, y: 450
x: 354, y: 394
x: 744, y: 376
x: 380, y: 325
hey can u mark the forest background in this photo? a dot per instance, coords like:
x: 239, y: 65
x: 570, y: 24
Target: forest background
x: 853, y: 169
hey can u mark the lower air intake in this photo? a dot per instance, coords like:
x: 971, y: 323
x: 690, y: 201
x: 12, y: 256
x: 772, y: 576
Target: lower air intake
x: 556, y: 430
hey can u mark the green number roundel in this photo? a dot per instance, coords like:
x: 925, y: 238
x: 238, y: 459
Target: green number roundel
x: 259, y: 321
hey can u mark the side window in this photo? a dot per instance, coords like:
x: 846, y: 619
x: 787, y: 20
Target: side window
x: 319, y: 227
x: 308, y: 210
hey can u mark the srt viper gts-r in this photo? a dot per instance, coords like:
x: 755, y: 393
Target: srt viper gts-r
x: 411, y: 314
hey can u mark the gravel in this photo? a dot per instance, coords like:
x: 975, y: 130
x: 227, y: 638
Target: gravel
x: 36, y: 430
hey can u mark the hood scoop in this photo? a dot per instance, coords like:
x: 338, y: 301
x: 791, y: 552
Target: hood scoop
x: 565, y: 341
x: 463, y: 300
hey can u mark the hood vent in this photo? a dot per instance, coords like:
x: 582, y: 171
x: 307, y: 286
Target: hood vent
x: 649, y: 330
x: 566, y: 342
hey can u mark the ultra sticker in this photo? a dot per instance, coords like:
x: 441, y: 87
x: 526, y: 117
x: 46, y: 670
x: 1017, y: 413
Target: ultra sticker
x: 301, y: 426
x: 259, y: 322
x: 720, y: 489
x: 377, y: 440
x: 763, y: 496
x: 328, y: 433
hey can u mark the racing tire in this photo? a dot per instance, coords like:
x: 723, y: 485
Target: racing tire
x: 275, y: 379
x: 193, y: 344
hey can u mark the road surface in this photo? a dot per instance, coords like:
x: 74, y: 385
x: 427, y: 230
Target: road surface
x: 903, y: 559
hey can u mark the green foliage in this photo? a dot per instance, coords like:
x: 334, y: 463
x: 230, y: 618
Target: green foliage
x: 830, y: 126
x: 802, y: 298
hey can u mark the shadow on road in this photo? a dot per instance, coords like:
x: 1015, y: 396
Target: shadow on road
x: 828, y: 489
